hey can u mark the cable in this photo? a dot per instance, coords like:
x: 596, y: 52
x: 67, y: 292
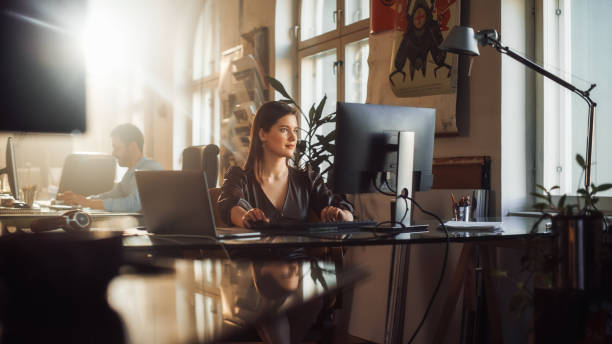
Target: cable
x: 433, y: 296
x: 405, y: 196
x: 379, y: 190
x: 391, y: 222
x: 387, y: 183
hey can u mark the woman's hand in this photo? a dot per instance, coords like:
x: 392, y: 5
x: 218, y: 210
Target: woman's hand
x: 334, y: 214
x: 253, y: 216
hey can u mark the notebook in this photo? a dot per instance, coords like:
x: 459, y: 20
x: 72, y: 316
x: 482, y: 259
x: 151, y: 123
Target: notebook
x: 178, y: 202
x: 474, y: 226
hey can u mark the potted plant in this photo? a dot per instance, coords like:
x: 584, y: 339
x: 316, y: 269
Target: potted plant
x: 313, y: 149
x: 578, y: 231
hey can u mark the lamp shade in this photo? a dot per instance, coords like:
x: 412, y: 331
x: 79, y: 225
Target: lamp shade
x: 461, y: 40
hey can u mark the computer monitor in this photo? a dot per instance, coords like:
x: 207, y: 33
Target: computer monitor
x: 42, y: 66
x: 11, y: 168
x: 367, y: 146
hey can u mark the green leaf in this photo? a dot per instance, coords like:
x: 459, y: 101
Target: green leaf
x: 301, y: 146
x: 594, y: 200
x: 279, y: 87
x: 331, y: 136
x: 603, y: 187
x: 535, y: 194
x: 319, y: 111
x: 554, y: 188
x: 561, y: 203
x: 327, y: 119
x: 541, y: 206
x: 541, y: 187
x: 580, y: 161
x: 310, y: 117
x: 581, y: 191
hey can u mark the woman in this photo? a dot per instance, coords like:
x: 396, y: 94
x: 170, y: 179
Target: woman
x: 268, y: 189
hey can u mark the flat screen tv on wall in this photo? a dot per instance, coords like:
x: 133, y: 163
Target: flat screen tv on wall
x: 42, y: 66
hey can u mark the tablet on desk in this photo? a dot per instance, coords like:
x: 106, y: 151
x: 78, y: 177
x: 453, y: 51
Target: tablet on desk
x: 473, y: 226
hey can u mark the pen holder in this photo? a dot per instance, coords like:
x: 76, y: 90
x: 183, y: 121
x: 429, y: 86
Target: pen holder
x: 29, y: 195
x: 462, y: 213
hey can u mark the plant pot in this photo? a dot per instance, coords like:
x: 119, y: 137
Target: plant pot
x: 578, y: 251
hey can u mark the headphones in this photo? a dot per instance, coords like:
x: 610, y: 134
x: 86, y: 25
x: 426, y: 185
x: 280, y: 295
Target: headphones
x: 71, y: 221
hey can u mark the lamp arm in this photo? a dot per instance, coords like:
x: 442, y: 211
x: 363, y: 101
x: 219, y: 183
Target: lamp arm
x: 583, y: 94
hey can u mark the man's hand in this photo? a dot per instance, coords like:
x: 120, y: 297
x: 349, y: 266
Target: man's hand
x: 70, y: 197
x: 334, y: 214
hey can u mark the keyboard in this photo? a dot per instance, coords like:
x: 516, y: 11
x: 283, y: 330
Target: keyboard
x: 313, y: 227
x: 22, y: 211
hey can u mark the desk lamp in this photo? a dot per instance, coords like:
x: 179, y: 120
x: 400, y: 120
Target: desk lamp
x: 463, y: 40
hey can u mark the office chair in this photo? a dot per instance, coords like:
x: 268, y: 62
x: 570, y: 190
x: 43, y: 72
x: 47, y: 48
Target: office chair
x: 88, y: 173
x: 203, y: 158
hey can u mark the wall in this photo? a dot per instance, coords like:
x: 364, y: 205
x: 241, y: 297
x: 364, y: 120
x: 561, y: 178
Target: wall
x: 518, y: 149
x: 484, y: 138
x: 518, y: 107
x: 493, y: 105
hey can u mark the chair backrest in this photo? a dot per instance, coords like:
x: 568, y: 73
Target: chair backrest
x: 203, y: 158
x: 214, y: 196
x: 88, y: 173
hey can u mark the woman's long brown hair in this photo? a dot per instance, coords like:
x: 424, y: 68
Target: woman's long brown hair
x: 267, y: 115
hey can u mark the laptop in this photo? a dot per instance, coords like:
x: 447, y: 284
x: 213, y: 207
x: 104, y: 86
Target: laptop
x: 178, y: 202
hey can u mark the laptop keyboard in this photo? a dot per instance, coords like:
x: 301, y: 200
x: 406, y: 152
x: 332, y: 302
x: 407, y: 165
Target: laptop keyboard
x: 19, y: 211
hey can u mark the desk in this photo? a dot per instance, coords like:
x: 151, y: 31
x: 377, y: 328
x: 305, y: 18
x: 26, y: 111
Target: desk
x: 514, y: 228
x: 89, y: 275
x: 10, y: 223
x: 54, y: 289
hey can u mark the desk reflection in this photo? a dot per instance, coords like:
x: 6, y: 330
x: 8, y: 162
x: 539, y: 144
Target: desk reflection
x: 211, y: 299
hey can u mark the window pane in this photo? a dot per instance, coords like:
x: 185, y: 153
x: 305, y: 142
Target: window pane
x: 317, y: 17
x: 202, y: 117
x: 197, y: 114
x: 216, y: 139
x: 590, y: 65
x: 356, y: 10
x: 318, y: 78
x: 198, y: 50
x: 206, y: 44
x: 356, y: 71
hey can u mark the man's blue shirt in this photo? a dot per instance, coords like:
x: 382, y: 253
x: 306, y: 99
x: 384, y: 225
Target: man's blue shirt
x: 124, y: 196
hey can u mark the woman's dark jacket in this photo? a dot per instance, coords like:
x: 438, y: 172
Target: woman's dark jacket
x: 306, y: 191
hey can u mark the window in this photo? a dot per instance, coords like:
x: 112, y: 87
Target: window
x: 332, y: 53
x: 575, y: 48
x: 205, y: 95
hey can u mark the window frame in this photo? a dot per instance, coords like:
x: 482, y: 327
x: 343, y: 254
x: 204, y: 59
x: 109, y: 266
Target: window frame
x: 206, y: 82
x: 341, y: 29
x: 335, y: 39
x: 554, y: 103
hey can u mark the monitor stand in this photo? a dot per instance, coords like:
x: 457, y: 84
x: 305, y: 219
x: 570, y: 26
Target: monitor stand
x: 396, y: 301
x: 403, y: 185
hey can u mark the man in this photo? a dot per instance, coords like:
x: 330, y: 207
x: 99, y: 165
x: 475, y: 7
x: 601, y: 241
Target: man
x: 127, y: 149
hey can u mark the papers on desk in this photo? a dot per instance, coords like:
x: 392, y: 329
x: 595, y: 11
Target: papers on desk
x: 474, y: 226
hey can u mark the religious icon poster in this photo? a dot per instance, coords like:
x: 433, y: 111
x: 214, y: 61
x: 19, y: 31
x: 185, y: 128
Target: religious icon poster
x: 418, y: 67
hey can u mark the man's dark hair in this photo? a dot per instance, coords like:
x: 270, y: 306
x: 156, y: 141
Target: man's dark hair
x: 128, y: 133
